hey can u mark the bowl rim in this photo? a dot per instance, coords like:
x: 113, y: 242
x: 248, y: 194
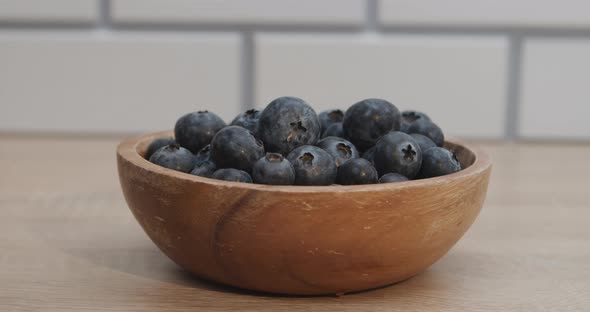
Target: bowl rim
x: 127, y: 150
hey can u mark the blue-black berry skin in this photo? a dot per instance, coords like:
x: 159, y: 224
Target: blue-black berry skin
x: 248, y: 120
x: 174, y: 157
x: 366, y: 121
x: 424, y: 141
x: 313, y: 166
x: 340, y: 149
x: 409, y: 116
x: 156, y: 145
x: 356, y: 171
x: 398, y: 152
x: 195, y: 130
x: 429, y: 129
x: 330, y: 117
x: 334, y: 130
x: 203, y: 154
x: 273, y: 169
x: 438, y: 161
x: 392, y: 178
x: 204, y: 168
x: 236, y: 147
x: 287, y: 123
x: 231, y: 174
x: 370, y: 154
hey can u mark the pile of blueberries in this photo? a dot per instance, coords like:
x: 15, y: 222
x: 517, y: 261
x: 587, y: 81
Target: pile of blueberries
x: 287, y: 143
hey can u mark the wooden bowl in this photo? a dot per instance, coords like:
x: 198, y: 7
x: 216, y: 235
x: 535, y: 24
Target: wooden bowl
x: 302, y: 240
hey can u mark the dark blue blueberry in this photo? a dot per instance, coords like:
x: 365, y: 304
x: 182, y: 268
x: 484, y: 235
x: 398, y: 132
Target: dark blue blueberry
x: 273, y: 169
x: 248, y: 120
x: 231, y: 174
x: 204, y: 168
x: 236, y: 147
x: 334, y: 130
x: 398, y: 152
x: 438, y: 161
x: 369, y: 154
x: 411, y: 115
x: 366, y: 121
x: 340, y: 149
x: 204, y: 153
x: 424, y: 141
x: 356, y: 171
x: 429, y: 129
x: 408, y: 117
x: 313, y: 166
x: 330, y: 117
x: 195, y: 130
x: 392, y: 178
x: 156, y: 145
x: 174, y: 157
x: 287, y: 123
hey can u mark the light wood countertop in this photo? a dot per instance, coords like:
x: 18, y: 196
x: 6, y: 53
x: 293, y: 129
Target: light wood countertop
x: 68, y: 242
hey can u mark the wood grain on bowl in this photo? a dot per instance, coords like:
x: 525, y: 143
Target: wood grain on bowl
x: 301, y: 239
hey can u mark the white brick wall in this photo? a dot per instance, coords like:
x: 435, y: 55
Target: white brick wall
x: 349, y: 12
x: 480, y: 68
x: 556, y: 92
x: 68, y: 11
x: 457, y: 80
x: 502, y: 13
x: 88, y: 82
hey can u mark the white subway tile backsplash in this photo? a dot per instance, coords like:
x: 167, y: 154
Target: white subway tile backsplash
x: 328, y: 12
x: 503, y: 13
x: 77, y: 11
x: 136, y: 64
x: 104, y: 82
x: 459, y: 81
x: 555, y: 92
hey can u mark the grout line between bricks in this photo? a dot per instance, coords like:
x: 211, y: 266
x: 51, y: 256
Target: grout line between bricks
x: 104, y: 14
x: 372, y: 17
x: 248, y: 71
x: 513, y: 87
x: 371, y: 24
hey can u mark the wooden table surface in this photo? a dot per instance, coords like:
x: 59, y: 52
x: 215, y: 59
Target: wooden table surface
x: 69, y: 243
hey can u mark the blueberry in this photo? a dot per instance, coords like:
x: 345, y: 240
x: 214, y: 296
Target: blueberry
x: 340, y: 149
x: 411, y: 115
x: 236, y: 147
x: 313, y: 166
x: 356, y: 171
x: 248, y: 120
x: 273, y: 168
x: 204, y: 168
x: 408, y: 117
x: 156, y: 145
x: 330, y: 117
x: 429, y: 129
x: 174, y: 157
x: 195, y: 130
x: 370, y: 154
x: 366, y: 121
x: 287, y: 123
x: 392, y: 177
x: 398, y: 152
x: 231, y: 174
x: 423, y: 141
x: 438, y: 161
x: 334, y: 130
x: 204, y: 153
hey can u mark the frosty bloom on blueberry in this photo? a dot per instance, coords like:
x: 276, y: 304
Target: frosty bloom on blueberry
x: 287, y: 123
x: 288, y: 143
